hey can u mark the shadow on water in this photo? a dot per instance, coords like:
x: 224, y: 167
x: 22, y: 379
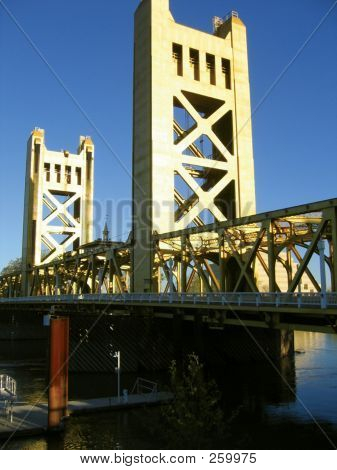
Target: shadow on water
x: 275, y: 408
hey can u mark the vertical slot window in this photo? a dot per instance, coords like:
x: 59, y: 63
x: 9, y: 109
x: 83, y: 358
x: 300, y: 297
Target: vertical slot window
x: 210, y: 65
x: 68, y: 174
x: 195, y: 64
x: 226, y: 71
x: 89, y: 158
x: 177, y: 55
x: 37, y: 148
x: 78, y: 176
x: 58, y: 173
x: 47, y: 171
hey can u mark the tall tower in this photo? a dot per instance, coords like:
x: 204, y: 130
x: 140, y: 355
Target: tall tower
x: 192, y: 155
x: 58, y: 213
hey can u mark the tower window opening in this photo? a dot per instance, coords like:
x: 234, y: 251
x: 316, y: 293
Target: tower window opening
x: 210, y: 65
x: 89, y: 163
x: 37, y: 149
x: 177, y: 55
x: 195, y: 63
x: 68, y: 174
x: 58, y: 173
x: 78, y: 175
x: 47, y: 171
x: 226, y: 70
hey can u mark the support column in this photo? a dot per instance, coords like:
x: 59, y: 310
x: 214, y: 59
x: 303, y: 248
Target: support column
x: 111, y: 277
x: 321, y: 248
x: 58, y: 371
x: 183, y: 266
x: 289, y: 267
x: 75, y: 283
x: 93, y: 274
x: 333, y: 248
x: 46, y: 281
x: 100, y: 279
x: 159, y: 280
x: 287, y: 343
x: 222, y: 264
x: 271, y: 258
x: 57, y: 284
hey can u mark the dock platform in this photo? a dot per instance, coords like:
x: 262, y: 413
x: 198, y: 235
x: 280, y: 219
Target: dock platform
x: 27, y: 419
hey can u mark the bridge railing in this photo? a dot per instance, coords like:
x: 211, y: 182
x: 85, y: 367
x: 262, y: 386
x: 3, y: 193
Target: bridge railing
x: 256, y: 299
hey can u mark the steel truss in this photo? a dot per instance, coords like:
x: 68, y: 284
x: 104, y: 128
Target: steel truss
x: 231, y: 256
x: 222, y: 257
x: 100, y: 270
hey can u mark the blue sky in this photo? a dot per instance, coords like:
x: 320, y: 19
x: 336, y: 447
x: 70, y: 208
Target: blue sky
x: 90, y: 45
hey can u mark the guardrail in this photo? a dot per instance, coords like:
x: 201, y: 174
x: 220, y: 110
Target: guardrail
x: 144, y: 386
x: 7, y: 388
x: 275, y: 299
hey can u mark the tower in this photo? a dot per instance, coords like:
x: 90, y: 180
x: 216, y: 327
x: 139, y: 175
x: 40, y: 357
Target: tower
x: 106, y: 232
x: 58, y: 211
x: 192, y: 138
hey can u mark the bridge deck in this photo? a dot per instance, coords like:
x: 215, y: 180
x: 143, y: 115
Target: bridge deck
x: 308, y: 312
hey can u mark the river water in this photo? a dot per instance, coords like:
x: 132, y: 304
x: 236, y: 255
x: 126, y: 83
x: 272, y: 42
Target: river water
x: 293, y: 406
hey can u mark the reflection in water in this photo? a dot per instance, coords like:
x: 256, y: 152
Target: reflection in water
x: 272, y: 414
x: 316, y: 379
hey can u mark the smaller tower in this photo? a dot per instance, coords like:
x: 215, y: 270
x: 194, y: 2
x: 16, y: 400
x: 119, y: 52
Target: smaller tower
x: 106, y: 232
x: 58, y: 211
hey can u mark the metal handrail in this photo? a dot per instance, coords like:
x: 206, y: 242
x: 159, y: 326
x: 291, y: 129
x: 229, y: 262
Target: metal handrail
x: 7, y: 388
x: 142, y: 385
x: 324, y: 300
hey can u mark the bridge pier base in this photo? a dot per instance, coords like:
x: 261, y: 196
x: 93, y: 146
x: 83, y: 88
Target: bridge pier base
x: 239, y: 344
x: 287, y: 343
x: 58, y: 372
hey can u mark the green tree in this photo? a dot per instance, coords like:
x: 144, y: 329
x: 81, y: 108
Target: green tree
x: 13, y: 266
x: 194, y: 420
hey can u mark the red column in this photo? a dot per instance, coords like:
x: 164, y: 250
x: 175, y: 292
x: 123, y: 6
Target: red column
x: 58, y: 371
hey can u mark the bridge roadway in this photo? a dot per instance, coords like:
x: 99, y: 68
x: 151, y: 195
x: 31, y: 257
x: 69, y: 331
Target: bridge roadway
x: 315, y: 312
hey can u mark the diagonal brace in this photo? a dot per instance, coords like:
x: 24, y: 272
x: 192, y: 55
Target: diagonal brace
x: 244, y: 268
x: 240, y: 263
x: 311, y: 248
